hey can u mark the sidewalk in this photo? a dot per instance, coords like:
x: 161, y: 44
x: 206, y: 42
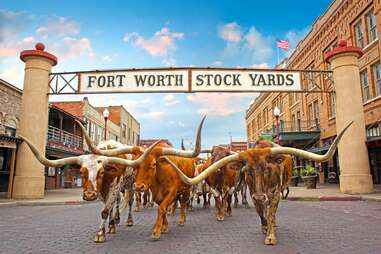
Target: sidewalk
x: 324, y: 192
x: 52, y: 197
x: 330, y: 192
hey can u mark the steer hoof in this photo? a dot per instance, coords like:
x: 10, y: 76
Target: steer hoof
x: 220, y: 218
x: 130, y: 223
x: 164, y: 229
x: 181, y: 223
x: 247, y: 206
x: 137, y: 209
x: 235, y: 205
x: 271, y: 240
x: 99, y: 237
x: 264, y: 230
x: 155, y: 237
x: 229, y: 214
x: 111, y: 229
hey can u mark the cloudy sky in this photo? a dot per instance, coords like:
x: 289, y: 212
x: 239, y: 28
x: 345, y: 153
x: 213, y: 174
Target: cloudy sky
x: 140, y: 34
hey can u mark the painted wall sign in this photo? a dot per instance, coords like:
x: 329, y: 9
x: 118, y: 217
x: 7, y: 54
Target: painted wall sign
x: 189, y: 80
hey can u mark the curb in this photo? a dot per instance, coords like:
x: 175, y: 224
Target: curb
x: 334, y: 198
x: 45, y: 203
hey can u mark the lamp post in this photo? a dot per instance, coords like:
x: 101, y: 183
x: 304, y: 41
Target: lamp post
x: 276, y: 114
x: 106, y: 114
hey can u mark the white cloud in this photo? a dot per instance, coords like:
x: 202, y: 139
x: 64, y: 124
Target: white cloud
x: 220, y: 104
x: 294, y: 36
x: 259, y: 45
x: 230, y: 32
x: 69, y: 48
x: 169, y: 62
x: 217, y: 63
x: 170, y: 100
x: 261, y: 66
x: 154, y: 115
x: 160, y: 44
x: 61, y: 26
x: 106, y: 58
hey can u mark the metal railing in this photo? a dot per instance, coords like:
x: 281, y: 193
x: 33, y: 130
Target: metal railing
x: 295, y: 126
x: 65, y: 138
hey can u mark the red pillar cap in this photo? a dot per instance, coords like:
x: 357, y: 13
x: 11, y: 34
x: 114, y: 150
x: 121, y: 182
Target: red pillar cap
x: 39, y: 51
x: 341, y: 49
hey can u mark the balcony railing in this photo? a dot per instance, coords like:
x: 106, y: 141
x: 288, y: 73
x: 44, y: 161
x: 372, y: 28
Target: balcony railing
x: 65, y: 138
x: 297, y: 126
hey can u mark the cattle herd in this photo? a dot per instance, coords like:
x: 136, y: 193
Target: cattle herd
x: 115, y: 173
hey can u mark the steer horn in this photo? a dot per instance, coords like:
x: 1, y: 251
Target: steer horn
x: 182, y: 145
x: 273, y: 150
x: 130, y: 163
x: 51, y: 163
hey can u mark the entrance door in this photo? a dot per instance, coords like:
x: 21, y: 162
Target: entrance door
x: 5, y: 155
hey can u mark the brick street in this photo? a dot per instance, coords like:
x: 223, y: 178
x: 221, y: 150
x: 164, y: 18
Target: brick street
x: 303, y: 227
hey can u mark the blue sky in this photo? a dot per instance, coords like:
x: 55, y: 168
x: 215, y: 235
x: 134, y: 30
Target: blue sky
x: 87, y: 35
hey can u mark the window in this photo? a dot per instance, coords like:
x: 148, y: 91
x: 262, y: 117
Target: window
x: 298, y: 120
x: 124, y: 127
x: 293, y: 122
x: 365, y: 86
x: 310, y: 114
x: 332, y: 105
x: 259, y: 121
x: 377, y: 77
x: 316, y: 112
x: 371, y: 26
x: 310, y: 78
x: 359, y: 35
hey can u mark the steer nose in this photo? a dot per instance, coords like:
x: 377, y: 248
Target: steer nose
x: 140, y: 186
x: 260, y: 197
x: 89, y: 195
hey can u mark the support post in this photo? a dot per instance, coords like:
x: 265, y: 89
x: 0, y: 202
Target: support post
x: 29, y: 179
x: 355, y: 177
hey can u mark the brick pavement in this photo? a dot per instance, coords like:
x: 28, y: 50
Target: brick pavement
x: 304, y: 227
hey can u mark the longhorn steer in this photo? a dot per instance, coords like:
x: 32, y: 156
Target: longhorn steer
x: 102, y: 177
x: 222, y: 182
x: 264, y: 177
x: 158, y: 176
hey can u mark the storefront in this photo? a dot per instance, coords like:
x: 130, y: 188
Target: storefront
x: 8, y: 146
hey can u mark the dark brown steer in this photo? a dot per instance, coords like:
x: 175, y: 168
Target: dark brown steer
x: 265, y: 175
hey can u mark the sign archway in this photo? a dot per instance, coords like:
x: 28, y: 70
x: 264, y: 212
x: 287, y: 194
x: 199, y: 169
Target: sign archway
x: 40, y: 82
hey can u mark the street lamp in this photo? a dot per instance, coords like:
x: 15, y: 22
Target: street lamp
x: 106, y: 114
x: 276, y: 114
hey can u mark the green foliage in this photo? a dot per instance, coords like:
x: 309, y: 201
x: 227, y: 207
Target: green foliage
x: 308, y: 170
x: 295, y: 172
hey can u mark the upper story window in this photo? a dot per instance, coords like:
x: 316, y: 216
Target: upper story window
x: 359, y: 35
x: 310, y: 77
x: 377, y: 77
x: 124, y: 127
x: 332, y: 105
x: 371, y: 26
x: 316, y: 112
x: 365, y: 86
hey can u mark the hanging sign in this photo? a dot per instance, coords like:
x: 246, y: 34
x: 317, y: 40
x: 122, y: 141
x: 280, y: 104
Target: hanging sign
x: 189, y: 80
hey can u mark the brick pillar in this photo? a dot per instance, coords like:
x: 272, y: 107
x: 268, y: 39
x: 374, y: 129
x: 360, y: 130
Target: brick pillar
x: 355, y: 177
x: 29, y: 179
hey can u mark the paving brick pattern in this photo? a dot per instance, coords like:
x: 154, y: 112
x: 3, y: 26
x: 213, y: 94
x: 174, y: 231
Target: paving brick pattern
x: 303, y: 227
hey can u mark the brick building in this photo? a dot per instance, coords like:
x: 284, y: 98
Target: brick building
x: 64, y: 139
x: 129, y: 127
x: 307, y: 120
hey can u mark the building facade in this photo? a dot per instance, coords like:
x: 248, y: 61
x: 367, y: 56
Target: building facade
x: 10, y: 101
x: 129, y: 127
x: 64, y: 138
x: 308, y: 120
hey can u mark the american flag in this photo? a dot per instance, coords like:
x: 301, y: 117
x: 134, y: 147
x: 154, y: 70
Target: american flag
x: 283, y: 44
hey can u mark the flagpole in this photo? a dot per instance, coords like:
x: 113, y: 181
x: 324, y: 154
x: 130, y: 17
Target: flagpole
x: 277, y: 53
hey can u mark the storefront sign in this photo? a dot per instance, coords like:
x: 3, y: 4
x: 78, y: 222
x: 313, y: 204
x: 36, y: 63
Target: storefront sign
x: 189, y: 80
